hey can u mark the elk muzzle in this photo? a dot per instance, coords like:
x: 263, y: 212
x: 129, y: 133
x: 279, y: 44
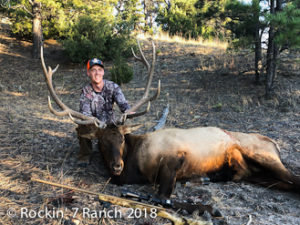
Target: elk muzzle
x: 117, y: 167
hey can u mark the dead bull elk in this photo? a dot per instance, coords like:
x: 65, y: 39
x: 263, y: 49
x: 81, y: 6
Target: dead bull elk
x: 166, y: 155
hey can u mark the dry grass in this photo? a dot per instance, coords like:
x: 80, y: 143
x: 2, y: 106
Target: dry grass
x: 203, y: 86
x: 165, y: 37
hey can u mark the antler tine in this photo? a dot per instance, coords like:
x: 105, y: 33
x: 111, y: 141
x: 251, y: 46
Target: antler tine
x: 48, y: 75
x: 65, y: 109
x: 145, y: 97
x: 53, y: 71
x: 96, y: 122
x: 142, y: 58
x: 129, y: 116
x: 55, y: 112
x: 156, y: 95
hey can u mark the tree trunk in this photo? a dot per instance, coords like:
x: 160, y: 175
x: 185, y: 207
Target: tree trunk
x: 37, y: 29
x: 258, y: 57
x: 148, y: 11
x: 270, y: 54
x: 146, y: 16
x: 270, y: 62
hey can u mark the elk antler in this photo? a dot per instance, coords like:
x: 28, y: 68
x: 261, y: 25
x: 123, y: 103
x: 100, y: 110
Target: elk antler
x: 74, y: 115
x: 145, y: 98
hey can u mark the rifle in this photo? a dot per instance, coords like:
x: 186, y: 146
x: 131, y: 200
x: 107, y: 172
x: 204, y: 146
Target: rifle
x: 161, y: 212
x: 169, y: 203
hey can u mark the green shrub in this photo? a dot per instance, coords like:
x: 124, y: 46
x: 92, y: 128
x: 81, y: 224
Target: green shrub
x: 121, y: 72
x: 89, y: 38
x: 21, y: 25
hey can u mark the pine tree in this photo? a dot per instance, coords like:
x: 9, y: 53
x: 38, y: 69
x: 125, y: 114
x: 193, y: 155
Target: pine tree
x: 29, y: 10
x: 284, y: 33
x: 115, y: 18
x: 178, y: 17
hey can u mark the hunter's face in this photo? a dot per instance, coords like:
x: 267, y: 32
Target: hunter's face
x: 96, y: 74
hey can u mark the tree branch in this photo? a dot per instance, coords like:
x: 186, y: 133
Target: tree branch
x: 23, y: 7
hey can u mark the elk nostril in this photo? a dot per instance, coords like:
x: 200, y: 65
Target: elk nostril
x: 118, y: 166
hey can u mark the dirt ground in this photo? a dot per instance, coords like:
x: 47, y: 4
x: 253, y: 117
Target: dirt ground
x: 203, y: 85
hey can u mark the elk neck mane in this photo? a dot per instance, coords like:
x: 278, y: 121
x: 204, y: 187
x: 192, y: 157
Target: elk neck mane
x: 133, y: 142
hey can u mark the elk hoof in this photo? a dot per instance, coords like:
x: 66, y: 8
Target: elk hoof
x: 216, y: 213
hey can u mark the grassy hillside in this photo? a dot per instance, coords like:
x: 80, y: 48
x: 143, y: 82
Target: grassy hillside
x: 204, y: 86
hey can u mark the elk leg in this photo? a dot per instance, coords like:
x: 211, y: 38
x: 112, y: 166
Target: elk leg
x: 167, y: 175
x: 85, y: 148
x: 272, y: 173
x: 236, y: 161
x: 85, y: 144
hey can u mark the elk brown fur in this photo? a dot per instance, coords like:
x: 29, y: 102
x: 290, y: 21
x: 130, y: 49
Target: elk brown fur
x: 166, y: 155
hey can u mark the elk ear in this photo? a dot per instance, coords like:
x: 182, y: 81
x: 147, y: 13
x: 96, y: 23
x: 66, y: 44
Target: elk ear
x: 127, y: 129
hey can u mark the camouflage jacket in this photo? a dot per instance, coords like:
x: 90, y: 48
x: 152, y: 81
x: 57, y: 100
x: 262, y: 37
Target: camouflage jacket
x: 100, y: 104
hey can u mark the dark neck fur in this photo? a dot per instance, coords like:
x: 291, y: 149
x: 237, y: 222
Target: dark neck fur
x: 131, y: 173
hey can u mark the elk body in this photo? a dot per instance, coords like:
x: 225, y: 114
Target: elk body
x: 166, y: 155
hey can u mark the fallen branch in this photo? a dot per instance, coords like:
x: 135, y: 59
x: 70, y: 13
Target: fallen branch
x: 161, y: 212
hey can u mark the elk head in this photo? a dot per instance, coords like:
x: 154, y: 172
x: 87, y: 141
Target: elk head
x: 111, y: 136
